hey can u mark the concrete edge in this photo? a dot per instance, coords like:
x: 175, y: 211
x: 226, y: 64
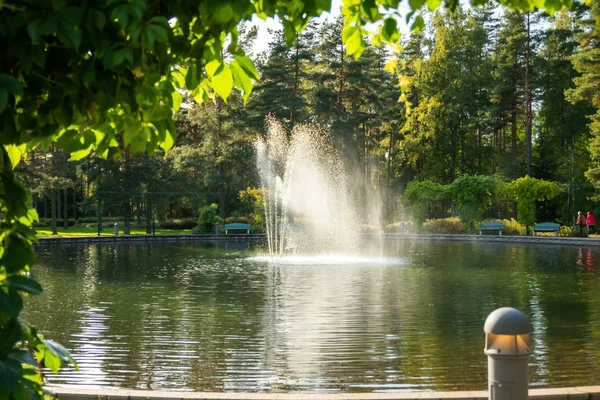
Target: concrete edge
x: 67, y: 393
x: 550, y: 240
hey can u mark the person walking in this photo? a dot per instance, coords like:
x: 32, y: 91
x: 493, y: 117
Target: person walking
x: 590, y: 222
x: 580, y: 221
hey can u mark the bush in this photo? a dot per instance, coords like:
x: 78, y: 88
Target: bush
x: 396, y: 227
x: 59, y: 222
x: 257, y: 229
x: 565, y: 231
x: 207, y: 218
x: 240, y: 219
x: 511, y: 226
x: 445, y: 226
x: 186, y: 223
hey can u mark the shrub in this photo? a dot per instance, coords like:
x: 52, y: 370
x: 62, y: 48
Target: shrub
x: 565, y: 231
x: 241, y: 219
x: 186, y: 223
x: 396, y: 227
x: 257, y: 229
x: 511, y: 226
x: 207, y: 217
x: 48, y: 221
x: 424, y: 197
x: 252, y: 199
x: 451, y: 225
x: 472, y: 195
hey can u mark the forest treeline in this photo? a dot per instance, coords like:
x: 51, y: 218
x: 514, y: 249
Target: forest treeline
x: 483, y: 92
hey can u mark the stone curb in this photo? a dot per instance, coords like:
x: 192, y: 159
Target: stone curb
x: 572, y: 393
x: 45, y: 240
x: 261, y: 237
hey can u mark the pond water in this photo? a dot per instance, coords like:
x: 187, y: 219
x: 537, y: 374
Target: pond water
x: 207, y: 317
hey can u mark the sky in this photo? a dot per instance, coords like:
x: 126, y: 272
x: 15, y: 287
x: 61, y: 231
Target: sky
x: 262, y: 42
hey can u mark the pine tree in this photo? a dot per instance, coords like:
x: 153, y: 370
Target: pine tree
x: 588, y: 84
x: 509, y: 92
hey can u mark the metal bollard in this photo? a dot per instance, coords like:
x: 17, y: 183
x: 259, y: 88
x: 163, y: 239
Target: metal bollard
x: 116, y: 229
x: 216, y: 228
x: 508, y: 349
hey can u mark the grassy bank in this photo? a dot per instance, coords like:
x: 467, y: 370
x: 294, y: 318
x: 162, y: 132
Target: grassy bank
x: 83, y: 231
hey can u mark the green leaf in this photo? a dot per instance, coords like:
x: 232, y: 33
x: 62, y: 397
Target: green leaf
x: 192, y: 77
x: 353, y: 39
x: 223, y: 14
x: 99, y: 19
x: 148, y: 37
x: 419, y: 24
x: 24, y: 284
x: 10, y: 303
x: 19, y: 252
x: 121, y: 14
x: 15, y: 153
x: 222, y: 80
x: 176, y: 97
x: 10, y: 85
x: 433, y: 5
x: 248, y: 66
x: 122, y: 55
x: 241, y: 80
x: 52, y: 361
x: 159, y: 33
x: 3, y: 99
x: 10, y: 371
x: 10, y: 335
x: 23, y: 357
x: 390, y: 30
x: 416, y: 4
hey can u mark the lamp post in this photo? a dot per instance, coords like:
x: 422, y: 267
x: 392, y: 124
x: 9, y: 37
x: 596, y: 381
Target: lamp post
x: 508, y: 349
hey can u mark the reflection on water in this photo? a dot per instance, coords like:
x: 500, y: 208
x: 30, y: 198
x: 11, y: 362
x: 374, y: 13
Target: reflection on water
x: 197, y: 317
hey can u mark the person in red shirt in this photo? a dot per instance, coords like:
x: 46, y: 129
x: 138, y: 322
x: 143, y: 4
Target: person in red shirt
x: 590, y: 222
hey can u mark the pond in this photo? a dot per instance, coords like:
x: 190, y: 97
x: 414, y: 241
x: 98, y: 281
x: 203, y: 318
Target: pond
x: 218, y: 317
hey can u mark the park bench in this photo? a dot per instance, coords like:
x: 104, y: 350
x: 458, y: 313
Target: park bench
x: 491, y: 226
x: 237, y: 227
x: 546, y: 227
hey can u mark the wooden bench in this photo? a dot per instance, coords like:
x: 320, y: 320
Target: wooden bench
x: 546, y: 227
x: 237, y: 227
x: 492, y: 226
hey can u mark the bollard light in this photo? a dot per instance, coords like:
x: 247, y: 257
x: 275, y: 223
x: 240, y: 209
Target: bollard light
x: 116, y: 229
x: 216, y: 228
x: 508, y: 349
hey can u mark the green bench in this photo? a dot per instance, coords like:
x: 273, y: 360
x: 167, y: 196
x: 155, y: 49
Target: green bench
x: 491, y: 226
x: 236, y: 226
x: 546, y: 227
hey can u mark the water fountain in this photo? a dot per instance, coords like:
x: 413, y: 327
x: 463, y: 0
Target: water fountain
x: 309, y: 208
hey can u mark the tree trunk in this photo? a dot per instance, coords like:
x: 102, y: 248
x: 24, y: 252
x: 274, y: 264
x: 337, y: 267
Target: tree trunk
x: 53, y: 223
x: 127, y: 203
x: 222, y: 202
x: 340, y: 95
x: 148, y: 216
x: 528, y: 99
x: 58, y: 207
x: 74, y: 205
x: 139, y: 212
x: 295, y: 87
x: 66, y: 214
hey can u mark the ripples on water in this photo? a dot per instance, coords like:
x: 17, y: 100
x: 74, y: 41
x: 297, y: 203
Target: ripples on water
x: 196, y: 317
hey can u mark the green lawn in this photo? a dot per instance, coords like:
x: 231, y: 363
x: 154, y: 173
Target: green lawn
x: 80, y: 231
